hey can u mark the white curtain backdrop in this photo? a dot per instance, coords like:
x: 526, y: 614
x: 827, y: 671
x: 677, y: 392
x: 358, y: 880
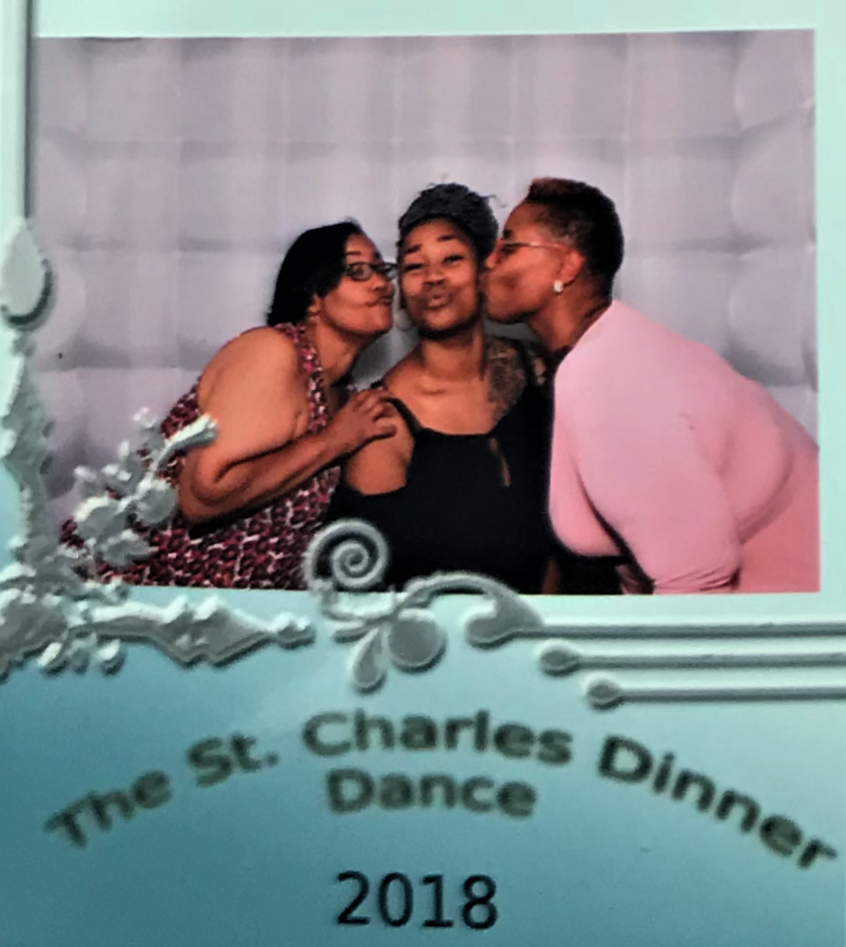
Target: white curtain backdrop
x: 172, y: 174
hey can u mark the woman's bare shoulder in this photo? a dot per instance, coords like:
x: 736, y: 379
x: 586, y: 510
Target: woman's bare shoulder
x: 260, y: 345
x: 381, y: 465
x: 261, y: 356
x: 402, y: 378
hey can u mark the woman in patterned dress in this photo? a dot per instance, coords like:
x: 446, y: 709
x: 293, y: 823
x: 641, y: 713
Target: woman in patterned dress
x: 250, y: 501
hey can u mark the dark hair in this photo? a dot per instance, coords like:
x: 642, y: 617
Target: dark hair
x: 584, y: 215
x: 313, y: 266
x: 469, y: 211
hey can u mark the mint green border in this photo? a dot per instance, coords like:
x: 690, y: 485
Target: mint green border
x: 378, y: 17
x: 394, y: 17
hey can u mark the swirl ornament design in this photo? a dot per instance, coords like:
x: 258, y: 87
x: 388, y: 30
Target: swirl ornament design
x: 356, y: 553
x: 401, y: 633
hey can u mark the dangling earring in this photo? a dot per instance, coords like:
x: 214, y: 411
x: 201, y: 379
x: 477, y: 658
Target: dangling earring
x: 558, y: 287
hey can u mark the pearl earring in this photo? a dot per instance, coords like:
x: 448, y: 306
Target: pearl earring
x: 558, y: 287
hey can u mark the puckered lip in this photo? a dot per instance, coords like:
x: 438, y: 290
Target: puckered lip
x: 436, y: 299
x: 385, y: 300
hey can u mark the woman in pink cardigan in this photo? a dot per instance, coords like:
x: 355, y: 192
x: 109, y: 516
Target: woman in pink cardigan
x: 663, y: 456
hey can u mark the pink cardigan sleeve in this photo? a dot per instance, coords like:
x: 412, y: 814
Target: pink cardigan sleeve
x: 647, y: 478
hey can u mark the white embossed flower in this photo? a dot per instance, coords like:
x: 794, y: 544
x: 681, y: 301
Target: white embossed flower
x: 122, y: 550
x: 154, y: 501
x: 27, y: 618
x: 101, y: 518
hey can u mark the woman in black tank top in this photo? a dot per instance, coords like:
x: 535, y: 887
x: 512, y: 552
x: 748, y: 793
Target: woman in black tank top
x: 471, y: 502
x: 462, y: 485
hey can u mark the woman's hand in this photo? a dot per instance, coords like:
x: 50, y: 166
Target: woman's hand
x: 367, y: 416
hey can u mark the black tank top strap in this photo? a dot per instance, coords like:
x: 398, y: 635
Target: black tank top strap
x: 406, y: 414
x: 404, y: 411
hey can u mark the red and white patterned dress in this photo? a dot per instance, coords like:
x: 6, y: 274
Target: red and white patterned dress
x: 262, y: 550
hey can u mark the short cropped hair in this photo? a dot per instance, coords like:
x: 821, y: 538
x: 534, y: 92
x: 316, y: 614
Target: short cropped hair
x: 583, y: 215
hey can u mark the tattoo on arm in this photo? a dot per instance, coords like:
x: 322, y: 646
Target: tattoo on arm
x: 506, y: 378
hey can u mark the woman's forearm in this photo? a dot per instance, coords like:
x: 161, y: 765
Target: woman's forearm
x: 210, y: 488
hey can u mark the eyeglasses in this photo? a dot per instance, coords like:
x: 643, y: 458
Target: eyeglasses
x: 507, y: 247
x: 362, y: 271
